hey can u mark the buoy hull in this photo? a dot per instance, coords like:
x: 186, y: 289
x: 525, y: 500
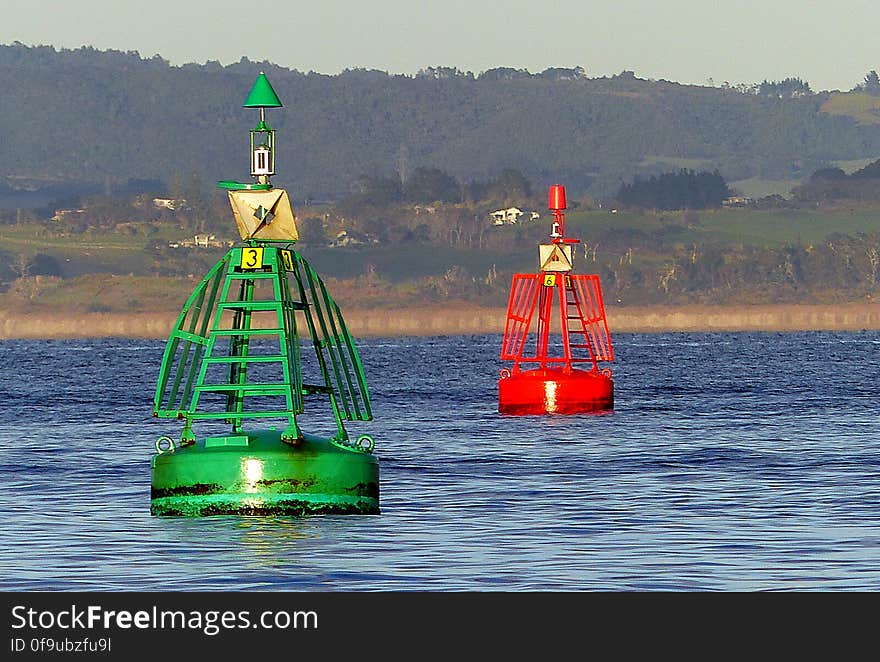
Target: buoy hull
x: 555, y: 391
x: 255, y: 473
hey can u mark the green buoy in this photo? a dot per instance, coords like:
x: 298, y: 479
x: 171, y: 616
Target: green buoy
x: 258, y: 340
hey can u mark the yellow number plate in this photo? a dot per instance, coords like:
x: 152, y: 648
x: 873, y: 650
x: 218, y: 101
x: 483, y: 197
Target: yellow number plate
x: 251, y: 258
x: 287, y: 260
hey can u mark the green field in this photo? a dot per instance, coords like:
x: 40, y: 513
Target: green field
x: 766, y: 228
x: 850, y: 167
x: 863, y: 108
x: 112, y: 271
x: 760, y: 188
x: 88, y: 252
x: 112, y: 252
x: 408, y: 262
x: 748, y: 227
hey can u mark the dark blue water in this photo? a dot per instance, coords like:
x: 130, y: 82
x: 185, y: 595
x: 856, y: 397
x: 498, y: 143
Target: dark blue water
x: 733, y: 461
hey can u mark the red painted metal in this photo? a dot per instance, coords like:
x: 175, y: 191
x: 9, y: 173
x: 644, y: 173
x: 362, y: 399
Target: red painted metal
x: 556, y: 198
x: 554, y: 391
x: 555, y: 364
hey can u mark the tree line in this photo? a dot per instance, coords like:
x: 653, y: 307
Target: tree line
x: 685, y: 189
x: 833, y: 185
x: 105, y: 121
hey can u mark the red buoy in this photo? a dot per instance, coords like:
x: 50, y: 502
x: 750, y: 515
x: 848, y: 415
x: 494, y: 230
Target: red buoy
x: 555, y: 366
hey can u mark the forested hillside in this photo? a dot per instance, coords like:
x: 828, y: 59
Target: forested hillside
x: 117, y: 122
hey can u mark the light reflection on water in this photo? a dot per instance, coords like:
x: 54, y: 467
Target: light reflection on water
x: 731, y: 462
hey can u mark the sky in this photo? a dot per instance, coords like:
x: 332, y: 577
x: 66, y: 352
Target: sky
x: 830, y: 45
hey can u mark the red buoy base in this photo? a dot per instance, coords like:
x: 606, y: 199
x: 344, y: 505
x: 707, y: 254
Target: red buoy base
x: 555, y: 391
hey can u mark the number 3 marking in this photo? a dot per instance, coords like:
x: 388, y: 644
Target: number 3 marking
x: 251, y: 258
x: 287, y: 260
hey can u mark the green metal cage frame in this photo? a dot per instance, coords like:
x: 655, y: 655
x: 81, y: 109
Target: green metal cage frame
x: 203, y: 336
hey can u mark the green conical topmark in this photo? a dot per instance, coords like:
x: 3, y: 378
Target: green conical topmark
x: 262, y: 95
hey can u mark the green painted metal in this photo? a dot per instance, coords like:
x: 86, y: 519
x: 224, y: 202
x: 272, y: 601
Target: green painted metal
x: 237, y: 343
x: 259, y: 340
x: 204, y: 336
x: 242, y: 186
x: 262, y: 94
x: 258, y: 474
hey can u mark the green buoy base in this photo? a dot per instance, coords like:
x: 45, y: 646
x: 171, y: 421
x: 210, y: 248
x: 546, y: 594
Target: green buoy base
x: 255, y: 473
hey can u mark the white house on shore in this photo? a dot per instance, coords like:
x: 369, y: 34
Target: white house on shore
x: 511, y: 215
x: 201, y: 241
x: 506, y: 216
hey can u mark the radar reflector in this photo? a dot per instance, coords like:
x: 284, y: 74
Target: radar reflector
x: 264, y: 215
x: 555, y: 257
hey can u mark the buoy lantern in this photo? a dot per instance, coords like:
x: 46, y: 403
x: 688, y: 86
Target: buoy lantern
x: 258, y: 340
x: 555, y: 361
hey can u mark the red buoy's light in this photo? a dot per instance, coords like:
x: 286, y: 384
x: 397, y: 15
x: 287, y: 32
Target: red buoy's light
x: 557, y: 197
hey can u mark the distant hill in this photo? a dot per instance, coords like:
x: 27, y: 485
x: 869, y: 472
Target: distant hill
x: 80, y: 120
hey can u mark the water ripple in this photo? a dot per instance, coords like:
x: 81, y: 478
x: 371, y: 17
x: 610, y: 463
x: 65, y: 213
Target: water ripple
x: 731, y: 462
